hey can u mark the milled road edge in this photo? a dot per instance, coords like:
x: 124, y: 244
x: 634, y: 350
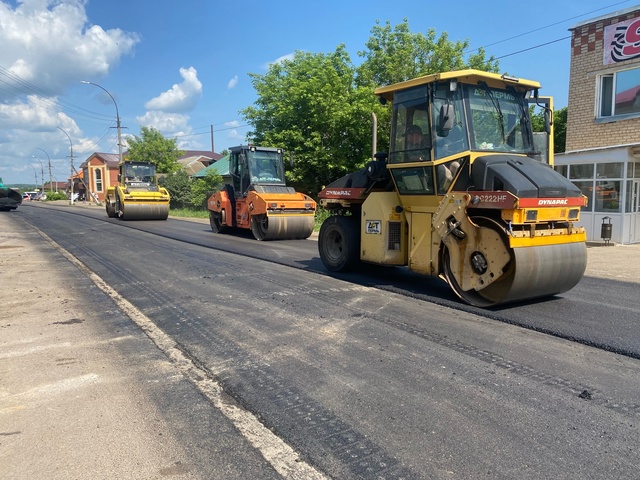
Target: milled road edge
x: 281, y: 456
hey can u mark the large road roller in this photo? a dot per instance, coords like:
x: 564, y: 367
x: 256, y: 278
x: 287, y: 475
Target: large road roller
x: 466, y: 192
x: 9, y: 198
x: 137, y: 195
x: 259, y: 199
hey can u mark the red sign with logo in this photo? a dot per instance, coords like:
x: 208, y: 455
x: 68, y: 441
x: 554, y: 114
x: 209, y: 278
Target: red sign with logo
x: 622, y: 41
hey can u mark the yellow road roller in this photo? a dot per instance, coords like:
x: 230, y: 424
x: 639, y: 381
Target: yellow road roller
x: 137, y: 195
x: 259, y: 199
x: 466, y: 192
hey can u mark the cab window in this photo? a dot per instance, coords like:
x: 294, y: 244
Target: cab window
x: 411, y: 131
x: 414, y: 181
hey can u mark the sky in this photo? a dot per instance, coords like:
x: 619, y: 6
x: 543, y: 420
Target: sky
x: 182, y: 67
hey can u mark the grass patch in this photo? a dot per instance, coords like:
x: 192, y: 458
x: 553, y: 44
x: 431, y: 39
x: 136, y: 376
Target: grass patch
x: 189, y: 213
x: 321, y: 215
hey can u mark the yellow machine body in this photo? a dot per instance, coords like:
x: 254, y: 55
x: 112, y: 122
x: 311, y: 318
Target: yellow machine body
x: 477, y: 203
x: 137, y: 195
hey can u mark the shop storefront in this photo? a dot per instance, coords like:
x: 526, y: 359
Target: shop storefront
x: 610, y: 179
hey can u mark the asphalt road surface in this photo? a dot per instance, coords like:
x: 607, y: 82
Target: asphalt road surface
x: 383, y: 374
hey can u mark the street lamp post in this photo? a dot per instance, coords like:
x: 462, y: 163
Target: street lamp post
x: 117, y: 118
x: 50, y: 176
x: 35, y: 175
x: 41, y: 174
x: 70, y: 178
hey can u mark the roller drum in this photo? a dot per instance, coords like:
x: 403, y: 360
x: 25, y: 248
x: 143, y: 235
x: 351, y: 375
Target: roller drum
x: 539, y: 272
x: 483, y: 270
x: 145, y: 211
x: 282, y: 227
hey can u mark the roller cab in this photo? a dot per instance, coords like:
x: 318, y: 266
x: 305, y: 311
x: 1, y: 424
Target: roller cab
x: 466, y: 192
x: 258, y: 199
x: 137, y: 195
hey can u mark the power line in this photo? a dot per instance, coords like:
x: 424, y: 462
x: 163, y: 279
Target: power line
x: 207, y: 133
x: 542, y: 28
x: 532, y: 48
x: 44, y: 98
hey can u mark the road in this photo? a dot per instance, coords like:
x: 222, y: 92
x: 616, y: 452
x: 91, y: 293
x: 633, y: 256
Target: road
x: 381, y: 375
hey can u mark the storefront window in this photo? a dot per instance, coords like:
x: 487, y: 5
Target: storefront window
x: 581, y: 171
x: 607, y: 196
x: 609, y: 170
x: 637, y: 171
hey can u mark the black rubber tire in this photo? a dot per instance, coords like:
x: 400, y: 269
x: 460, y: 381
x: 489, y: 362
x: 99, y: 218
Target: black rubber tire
x: 215, y: 220
x: 339, y: 243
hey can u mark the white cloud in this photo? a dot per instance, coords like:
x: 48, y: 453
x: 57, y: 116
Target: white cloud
x: 50, y: 44
x: 288, y: 56
x: 233, y: 82
x: 167, y: 123
x: 235, y: 135
x: 181, y: 97
x: 26, y: 115
x: 232, y: 123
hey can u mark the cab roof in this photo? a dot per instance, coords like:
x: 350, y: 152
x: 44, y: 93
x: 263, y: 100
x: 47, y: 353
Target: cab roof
x: 468, y: 76
x: 254, y: 147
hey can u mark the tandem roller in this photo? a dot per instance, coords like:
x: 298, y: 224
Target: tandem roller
x: 137, y: 196
x: 258, y: 198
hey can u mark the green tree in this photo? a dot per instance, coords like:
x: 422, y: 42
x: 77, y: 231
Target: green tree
x: 203, y: 187
x: 152, y: 146
x: 560, y: 130
x: 319, y: 106
x: 396, y: 54
x: 311, y: 106
x: 179, y: 186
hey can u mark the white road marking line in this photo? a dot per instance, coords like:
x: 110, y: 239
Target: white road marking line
x: 284, y: 459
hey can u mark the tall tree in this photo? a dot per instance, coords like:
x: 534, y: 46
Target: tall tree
x: 311, y: 106
x: 396, y: 54
x: 319, y: 106
x: 152, y: 146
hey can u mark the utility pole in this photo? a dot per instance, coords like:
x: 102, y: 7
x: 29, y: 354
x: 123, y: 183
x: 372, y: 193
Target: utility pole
x: 72, y: 169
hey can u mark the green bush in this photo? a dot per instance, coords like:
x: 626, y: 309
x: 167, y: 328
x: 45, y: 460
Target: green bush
x: 321, y: 215
x: 55, y: 196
